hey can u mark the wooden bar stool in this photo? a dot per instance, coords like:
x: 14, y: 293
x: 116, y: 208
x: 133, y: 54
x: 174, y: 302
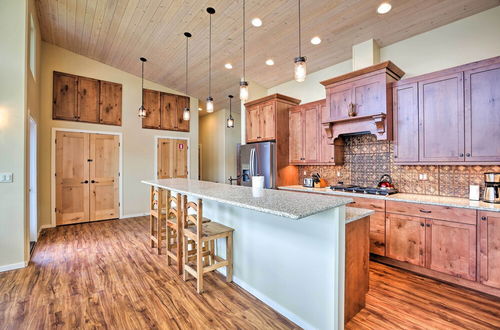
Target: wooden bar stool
x: 204, y: 236
x: 174, y: 229
x: 157, y: 213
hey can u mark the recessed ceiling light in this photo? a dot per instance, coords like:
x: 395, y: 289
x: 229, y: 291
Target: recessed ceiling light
x: 228, y: 66
x: 270, y: 61
x: 316, y: 40
x: 256, y: 22
x: 384, y: 8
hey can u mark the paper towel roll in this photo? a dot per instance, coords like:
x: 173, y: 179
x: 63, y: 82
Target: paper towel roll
x: 257, y: 186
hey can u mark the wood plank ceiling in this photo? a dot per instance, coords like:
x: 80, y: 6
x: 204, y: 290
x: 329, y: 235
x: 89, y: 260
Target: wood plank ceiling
x: 118, y: 32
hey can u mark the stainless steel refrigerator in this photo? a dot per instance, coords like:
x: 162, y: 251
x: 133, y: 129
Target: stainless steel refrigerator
x: 257, y: 159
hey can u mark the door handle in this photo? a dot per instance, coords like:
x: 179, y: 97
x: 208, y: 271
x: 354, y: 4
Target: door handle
x: 425, y: 211
x: 86, y: 181
x: 93, y: 181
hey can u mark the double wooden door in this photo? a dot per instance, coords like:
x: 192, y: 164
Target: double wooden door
x: 172, y: 158
x: 87, y: 174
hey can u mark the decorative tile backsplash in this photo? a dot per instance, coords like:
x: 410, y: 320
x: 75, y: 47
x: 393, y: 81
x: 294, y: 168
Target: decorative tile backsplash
x: 367, y: 159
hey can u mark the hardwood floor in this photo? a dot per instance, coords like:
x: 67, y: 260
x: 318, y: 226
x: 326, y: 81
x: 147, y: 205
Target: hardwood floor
x: 105, y: 275
x: 402, y: 300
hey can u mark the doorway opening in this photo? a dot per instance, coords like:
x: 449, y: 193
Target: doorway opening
x: 33, y: 205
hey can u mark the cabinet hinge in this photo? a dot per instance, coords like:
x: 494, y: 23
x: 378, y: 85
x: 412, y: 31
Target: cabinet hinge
x: 119, y: 204
x: 119, y: 174
x: 55, y: 209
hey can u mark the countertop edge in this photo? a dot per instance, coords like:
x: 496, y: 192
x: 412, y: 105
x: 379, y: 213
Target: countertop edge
x: 354, y: 213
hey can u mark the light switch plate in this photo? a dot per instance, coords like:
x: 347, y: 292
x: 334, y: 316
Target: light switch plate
x: 6, y: 177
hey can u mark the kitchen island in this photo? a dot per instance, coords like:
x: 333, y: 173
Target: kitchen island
x: 289, y: 248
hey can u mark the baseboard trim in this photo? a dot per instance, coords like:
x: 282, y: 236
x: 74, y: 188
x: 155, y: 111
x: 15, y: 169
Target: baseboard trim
x: 18, y: 265
x: 269, y: 302
x: 134, y: 215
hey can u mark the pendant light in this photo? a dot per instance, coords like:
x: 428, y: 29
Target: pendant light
x: 210, y: 100
x: 186, y: 115
x: 243, y: 82
x: 230, y: 120
x: 300, y: 61
x: 142, y: 113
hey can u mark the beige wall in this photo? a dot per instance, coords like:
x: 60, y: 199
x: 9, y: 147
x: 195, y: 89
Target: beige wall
x: 13, y: 118
x: 467, y: 40
x: 138, y: 145
x: 218, y: 145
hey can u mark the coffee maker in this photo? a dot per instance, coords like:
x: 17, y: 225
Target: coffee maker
x: 492, y: 187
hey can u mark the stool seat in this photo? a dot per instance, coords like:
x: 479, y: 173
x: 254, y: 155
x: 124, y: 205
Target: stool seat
x: 210, y: 230
x: 174, y: 220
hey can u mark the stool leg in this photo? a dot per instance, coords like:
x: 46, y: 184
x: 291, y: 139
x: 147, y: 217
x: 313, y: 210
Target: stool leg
x: 158, y: 231
x: 229, y: 257
x: 151, y: 230
x: 199, y: 266
x: 185, y: 257
x: 211, y: 248
x: 168, y: 239
x: 180, y: 244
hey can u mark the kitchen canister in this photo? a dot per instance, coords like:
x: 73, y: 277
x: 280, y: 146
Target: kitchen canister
x: 257, y: 186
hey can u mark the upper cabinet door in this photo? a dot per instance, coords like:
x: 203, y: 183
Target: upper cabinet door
x: 441, y: 118
x: 310, y: 126
x: 340, y: 100
x: 88, y: 100
x: 168, y: 111
x: 152, y: 105
x: 296, y: 133
x: 268, y: 121
x: 64, y: 96
x: 253, y: 123
x: 406, y: 123
x: 369, y: 96
x: 482, y: 114
x: 110, y: 110
x: 182, y: 103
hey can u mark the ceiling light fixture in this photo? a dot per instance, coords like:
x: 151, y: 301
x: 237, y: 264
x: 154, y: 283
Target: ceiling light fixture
x: 300, y: 61
x: 200, y: 108
x: 270, y: 61
x: 230, y: 120
x: 243, y: 83
x: 210, y: 100
x: 142, y: 113
x: 256, y: 22
x: 228, y: 66
x: 316, y: 40
x: 186, y: 115
x: 384, y: 8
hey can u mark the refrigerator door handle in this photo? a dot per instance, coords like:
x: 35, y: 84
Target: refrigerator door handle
x: 252, y: 161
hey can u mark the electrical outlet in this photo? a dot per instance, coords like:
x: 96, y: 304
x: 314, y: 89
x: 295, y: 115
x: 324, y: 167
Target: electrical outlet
x: 305, y: 173
x: 338, y: 174
x: 422, y: 176
x: 6, y: 177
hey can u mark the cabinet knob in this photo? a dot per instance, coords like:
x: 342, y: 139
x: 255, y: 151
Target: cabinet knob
x: 467, y: 154
x: 395, y: 156
x: 86, y: 181
x: 422, y: 224
x: 428, y: 225
x: 461, y: 155
x: 484, y: 218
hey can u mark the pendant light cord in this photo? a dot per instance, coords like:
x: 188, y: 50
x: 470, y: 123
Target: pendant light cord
x: 142, y: 90
x: 187, y: 45
x: 244, y: 40
x: 210, y: 59
x: 300, y: 37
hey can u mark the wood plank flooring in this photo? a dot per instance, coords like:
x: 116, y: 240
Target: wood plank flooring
x: 104, y: 275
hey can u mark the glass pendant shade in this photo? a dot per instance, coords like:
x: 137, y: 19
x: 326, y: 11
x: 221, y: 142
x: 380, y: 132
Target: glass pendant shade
x: 230, y: 122
x: 243, y: 91
x: 300, y: 69
x: 186, y: 115
x: 142, y: 112
x: 210, y: 104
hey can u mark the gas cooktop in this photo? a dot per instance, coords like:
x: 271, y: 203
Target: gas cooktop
x: 363, y: 190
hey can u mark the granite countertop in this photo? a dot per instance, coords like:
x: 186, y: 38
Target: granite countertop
x: 409, y: 198
x: 278, y: 202
x: 354, y: 213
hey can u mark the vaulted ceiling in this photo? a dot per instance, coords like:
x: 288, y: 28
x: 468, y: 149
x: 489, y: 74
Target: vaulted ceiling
x: 118, y: 32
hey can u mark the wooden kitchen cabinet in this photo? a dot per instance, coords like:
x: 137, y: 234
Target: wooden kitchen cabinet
x: 406, y: 123
x: 441, y: 118
x: 152, y: 104
x: 451, y: 248
x: 489, y: 248
x: 64, y: 96
x: 266, y: 116
x: 165, y: 111
x: 339, y: 99
x: 405, y: 239
x: 85, y: 99
x: 296, y: 140
x: 482, y: 114
x: 332, y: 154
x: 377, y: 222
x: 458, y: 116
x: 110, y: 103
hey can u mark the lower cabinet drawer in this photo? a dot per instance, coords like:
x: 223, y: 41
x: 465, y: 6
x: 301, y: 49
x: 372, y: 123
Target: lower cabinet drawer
x: 455, y: 214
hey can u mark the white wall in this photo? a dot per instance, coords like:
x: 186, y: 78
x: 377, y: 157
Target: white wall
x: 138, y: 144
x: 471, y: 39
x: 13, y: 132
